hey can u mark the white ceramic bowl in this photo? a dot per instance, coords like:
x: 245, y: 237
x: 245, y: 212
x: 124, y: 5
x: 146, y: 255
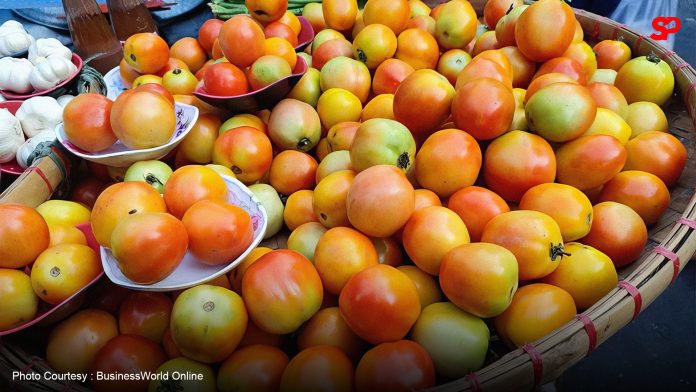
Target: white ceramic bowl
x: 191, y: 272
x: 114, y: 83
x: 119, y: 155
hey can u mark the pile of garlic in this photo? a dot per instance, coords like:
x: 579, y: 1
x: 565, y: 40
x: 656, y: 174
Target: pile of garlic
x: 36, y: 119
x: 48, y: 64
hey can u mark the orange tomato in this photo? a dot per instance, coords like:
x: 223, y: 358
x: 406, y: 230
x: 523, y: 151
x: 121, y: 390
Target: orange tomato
x: 539, y: 40
x: 483, y: 107
x: 418, y: 48
x: 255, y: 335
x: 341, y: 253
x: 266, y: 11
x: 642, y: 191
x: 388, y: 251
x: 318, y: 368
x: 146, y: 52
x: 583, y: 54
x: 332, y: 48
x: 330, y: 197
x: 208, y: 33
x: 64, y: 234
x: 291, y: 20
x: 62, y: 270
x: 545, y: 80
x: 658, y: 153
x: 192, y: 183
x: 569, y: 207
x: 299, y: 210
x: 327, y: 327
x: 428, y: 288
x: 143, y: 119
x: 381, y: 106
x: 128, y: 73
x: 402, y: 365
x: 374, y: 44
x: 482, y: 67
x: 333, y: 162
x: 236, y: 275
x: 485, y: 41
x: 392, y: 13
x: 455, y: 24
x: 283, y: 48
x: 256, y: 367
x: 564, y: 65
x: 389, y: 75
x: 190, y: 51
x: 245, y: 150
x: 476, y: 206
x: 197, y: 146
x: 339, y: 14
x: 505, y: 28
x: 536, y: 310
x: 25, y: 235
x: 241, y: 40
x: 590, y: 161
x: 146, y: 314
x: 281, y: 30
x: 292, y: 171
x: 496, y: 9
x: 423, y: 88
x: 609, y: 97
x: 313, y: 12
x: 522, y: 68
x: 612, y: 54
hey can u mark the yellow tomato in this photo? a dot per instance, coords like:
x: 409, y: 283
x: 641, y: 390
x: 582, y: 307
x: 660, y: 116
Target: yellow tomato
x: 19, y: 303
x: 63, y: 270
x: 242, y: 120
x: 63, y: 212
x: 224, y: 170
x: 381, y: 106
x: 145, y: 79
x: 64, y: 234
x: 644, y: 117
x: 282, y: 48
x: 338, y: 105
x: 610, y: 123
x: 428, y: 289
x: 330, y: 198
x: 567, y: 205
x: 197, y: 146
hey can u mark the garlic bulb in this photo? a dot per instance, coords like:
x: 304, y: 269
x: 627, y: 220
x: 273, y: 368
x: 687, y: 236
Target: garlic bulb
x: 13, y: 38
x: 51, y: 72
x: 14, y: 75
x: 47, y: 47
x: 30, y: 145
x: 39, y: 114
x: 11, y: 136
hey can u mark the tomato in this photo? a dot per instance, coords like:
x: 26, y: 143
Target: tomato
x: 382, y: 141
x: 589, y: 161
x: 146, y: 52
x: 505, y: 28
x: 172, y: 63
x: 208, y: 322
x: 299, y: 209
x: 128, y: 73
x: 252, y: 368
x: 192, y: 183
x: 340, y: 14
x: 341, y: 253
x: 389, y: 75
x: 304, y: 238
x: 561, y: 111
x: 418, y: 8
x: 380, y: 304
x: 546, y: 80
x: 318, y: 368
x: 642, y: 191
x: 522, y: 68
x: 62, y: 212
x: 395, y: 366
x: 645, y: 79
x: 423, y: 88
x: 236, y: 275
x: 292, y: 171
x: 374, y: 44
x: 197, y: 146
x: 517, y: 161
x: 208, y: 32
x: 480, y: 68
x: 145, y: 79
x: 337, y: 105
x: 533, y: 237
x: 380, y: 191
x: 24, y: 234
x: 346, y: 73
x: 476, y: 206
x: 73, y: 344
x: 484, y: 42
x: 645, y: 117
x: 159, y: 89
x: 448, y: 161
x: 245, y: 150
x: 418, y: 48
x: 658, y: 153
x: 535, y: 311
x: 451, y: 64
x: 392, y: 13
x: 569, y: 207
x: 455, y: 25
x: 255, y: 335
x: 330, y: 197
x: 325, y: 36
x: 327, y: 327
x: 612, y: 54
x: 484, y: 108
x: 62, y: 270
x: 496, y: 9
x: 125, y: 354
x: 428, y: 288
x: 218, y: 232
x: 609, y: 97
x: 282, y: 290
x: 146, y: 314
x: 601, y: 75
x: 456, y: 341
x: 267, y: 70
x: 143, y: 120
x: 540, y: 40
x: 582, y: 53
x: 149, y: 246
x: 266, y: 11
x: 294, y: 125
x: 64, y: 234
x: 281, y: 47
x: 19, y: 302
x: 86, y: 122
x: 179, y: 81
x: 169, y: 346
x: 242, y: 120
x: 564, y: 65
x: 190, y: 51
x: 617, y: 231
x: 315, y: 16
x: 225, y: 79
x: 585, y: 273
x: 381, y: 106
x: 241, y: 40
x: 607, y: 122
x: 175, y: 373
x: 281, y: 30
x: 330, y: 49
x: 86, y: 191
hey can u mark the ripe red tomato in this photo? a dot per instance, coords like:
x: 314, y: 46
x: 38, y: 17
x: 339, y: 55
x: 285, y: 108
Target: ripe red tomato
x: 86, y: 122
x: 225, y: 79
x: 612, y: 54
x: 246, y: 151
x: 590, y: 161
x: 149, y: 246
x: 484, y: 108
x: 146, y: 314
x: 208, y: 32
x: 389, y: 75
x: 517, y: 161
x: 402, y: 365
x: 192, y: 183
x: 219, y: 232
x: 642, y: 191
x: 476, y: 206
x: 241, y: 40
x: 125, y: 354
x: 380, y: 304
x: 24, y: 235
x: 658, y: 153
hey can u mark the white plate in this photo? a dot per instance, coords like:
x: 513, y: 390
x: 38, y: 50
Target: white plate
x: 118, y: 155
x: 114, y: 83
x: 191, y: 272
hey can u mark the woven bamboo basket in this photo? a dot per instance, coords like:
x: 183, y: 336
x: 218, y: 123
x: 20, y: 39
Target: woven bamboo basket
x: 671, y: 245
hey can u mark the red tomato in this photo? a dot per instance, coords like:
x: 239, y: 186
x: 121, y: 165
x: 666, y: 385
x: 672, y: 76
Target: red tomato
x: 658, y: 153
x: 642, y: 191
x: 389, y: 75
x: 281, y: 30
x: 208, y: 32
x: 423, y: 88
x: 496, y: 9
x: 192, y: 183
x: 266, y: 11
x: 612, y: 54
x: 146, y: 314
x: 318, y: 368
x: 149, y: 246
x: 380, y: 304
x: 564, y: 65
x: 87, y: 190
x: 484, y: 108
x: 253, y: 368
x: 538, y: 38
x: 225, y: 79
x: 476, y: 206
x: 86, y: 122
x: 482, y: 67
x: 403, y: 365
x: 517, y: 161
x: 617, y: 231
x: 246, y: 151
x: 219, y: 232
x: 282, y: 290
x: 589, y: 161
x: 24, y: 235
x: 330, y: 49
x: 125, y: 354
x: 241, y: 40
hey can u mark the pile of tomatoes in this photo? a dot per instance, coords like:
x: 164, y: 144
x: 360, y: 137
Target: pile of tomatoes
x: 435, y: 184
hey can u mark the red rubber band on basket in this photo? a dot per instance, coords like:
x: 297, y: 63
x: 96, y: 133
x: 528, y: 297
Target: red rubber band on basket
x: 639, y: 40
x: 689, y: 89
x: 667, y: 54
x: 673, y: 257
x: 679, y: 66
x: 474, y: 382
x: 42, y: 175
x: 537, y: 363
x: 595, y: 31
x: 635, y: 294
x: 591, y: 332
x: 687, y: 222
